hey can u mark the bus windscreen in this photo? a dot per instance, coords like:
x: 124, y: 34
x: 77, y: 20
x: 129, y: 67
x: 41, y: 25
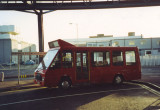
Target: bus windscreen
x: 47, y: 59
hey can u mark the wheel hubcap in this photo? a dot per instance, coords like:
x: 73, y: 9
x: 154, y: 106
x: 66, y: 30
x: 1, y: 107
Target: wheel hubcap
x: 118, y: 79
x: 65, y: 84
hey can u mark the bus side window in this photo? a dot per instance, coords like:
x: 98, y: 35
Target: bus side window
x: 130, y: 57
x: 107, y: 59
x: 100, y: 59
x: 67, y: 59
x: 57, y: 62
x: 117, y: 57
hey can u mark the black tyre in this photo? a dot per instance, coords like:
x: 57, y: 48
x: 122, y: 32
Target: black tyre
x: 118, y: 80
x: 65, y: 83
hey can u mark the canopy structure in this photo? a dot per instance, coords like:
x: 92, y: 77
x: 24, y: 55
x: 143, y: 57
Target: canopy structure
x: 72, y: 4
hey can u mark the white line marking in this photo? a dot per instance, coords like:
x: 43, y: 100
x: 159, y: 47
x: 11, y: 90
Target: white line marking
x: 47, y: 98
x: 147, y: 88
x: 154, y: 76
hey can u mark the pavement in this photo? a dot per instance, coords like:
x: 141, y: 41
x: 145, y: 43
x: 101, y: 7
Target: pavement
x: 150, y: 77
x: 12, y: 85
x: 12, y: 71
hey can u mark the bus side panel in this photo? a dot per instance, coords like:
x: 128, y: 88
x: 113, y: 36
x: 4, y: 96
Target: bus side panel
x: 138, y: 68
x: 133, y: 72
x: 69, y: 72
x: 96, y: 75
x: 52, y: 77
x: 101, y: 75
x: 117, y: 70
x: 117, y: 66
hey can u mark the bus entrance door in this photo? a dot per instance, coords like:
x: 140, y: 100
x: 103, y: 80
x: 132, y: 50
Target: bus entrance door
x: 82, y: 70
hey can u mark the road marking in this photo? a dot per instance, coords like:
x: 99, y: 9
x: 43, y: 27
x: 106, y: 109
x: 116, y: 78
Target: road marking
x: 147, y: 88
x: 72, y: 95
x: 154, y: 76
x: 64, y: 96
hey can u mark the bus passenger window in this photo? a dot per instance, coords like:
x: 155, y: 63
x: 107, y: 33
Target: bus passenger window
x: 117, y: 58
x: 100, y: 59
x: 67, y: 59
x: 130, y: 58
x: 107, y: 58
x: 57, y: 62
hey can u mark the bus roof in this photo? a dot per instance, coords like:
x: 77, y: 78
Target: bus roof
x: 65, y: 45
x: 59, y: 43
x: 100, y: 48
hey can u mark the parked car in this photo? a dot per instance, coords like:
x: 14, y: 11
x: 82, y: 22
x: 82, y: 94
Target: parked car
x: 29, y: 62
x: 22, y: 62
x: 9, y: 64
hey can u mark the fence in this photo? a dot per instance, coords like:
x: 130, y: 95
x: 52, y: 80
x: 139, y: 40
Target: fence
x: 150, y: 61
x: 22, y: 65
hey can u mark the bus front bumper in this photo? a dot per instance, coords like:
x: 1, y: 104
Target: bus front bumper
x: 39, y: 79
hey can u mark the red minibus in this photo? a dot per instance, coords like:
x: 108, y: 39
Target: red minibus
x: 65, y: 65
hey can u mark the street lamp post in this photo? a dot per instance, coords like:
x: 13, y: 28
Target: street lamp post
x: 19, y: 48
x: 76, y: 30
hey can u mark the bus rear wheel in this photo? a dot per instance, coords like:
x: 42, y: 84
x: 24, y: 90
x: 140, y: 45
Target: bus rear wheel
x: 65, y: 83
x: 118, y: 80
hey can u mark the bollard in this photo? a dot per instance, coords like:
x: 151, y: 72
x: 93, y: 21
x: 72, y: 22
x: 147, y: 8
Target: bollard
x: 2, y: 77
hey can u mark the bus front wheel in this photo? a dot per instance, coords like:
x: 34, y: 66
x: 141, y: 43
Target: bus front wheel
x: 118, y: 80
x: 65, y: 83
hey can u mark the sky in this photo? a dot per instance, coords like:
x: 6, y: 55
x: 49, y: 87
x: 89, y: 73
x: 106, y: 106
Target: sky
x: 116, y: 22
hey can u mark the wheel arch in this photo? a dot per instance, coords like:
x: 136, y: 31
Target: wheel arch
x: 120, y: 74
x: 118, y: 77
x: 65, y: 77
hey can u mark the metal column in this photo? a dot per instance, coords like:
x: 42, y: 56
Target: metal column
x: 41, y: 33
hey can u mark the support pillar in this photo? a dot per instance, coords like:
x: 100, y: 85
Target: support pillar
x: 40, y: 33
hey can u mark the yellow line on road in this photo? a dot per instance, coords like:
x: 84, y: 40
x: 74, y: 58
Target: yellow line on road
x: 146, y: 87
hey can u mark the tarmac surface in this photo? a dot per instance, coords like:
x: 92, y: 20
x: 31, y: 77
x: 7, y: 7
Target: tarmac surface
x: 150, y: 76
x: 143, y: 94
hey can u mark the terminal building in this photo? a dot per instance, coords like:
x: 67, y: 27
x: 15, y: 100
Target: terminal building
x: 149, y: 48
x: 11, y: 42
